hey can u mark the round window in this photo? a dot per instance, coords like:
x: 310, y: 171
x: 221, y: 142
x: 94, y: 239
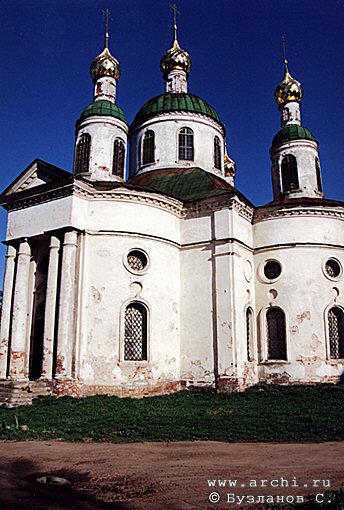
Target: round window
x: 333, y: 268
x: 272, y: 269
x: 137, y: 260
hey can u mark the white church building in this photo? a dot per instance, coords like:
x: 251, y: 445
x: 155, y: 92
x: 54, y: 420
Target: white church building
x: 170, y: 279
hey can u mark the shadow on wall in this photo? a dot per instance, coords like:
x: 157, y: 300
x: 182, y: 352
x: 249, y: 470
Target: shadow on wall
x: 341, y: 378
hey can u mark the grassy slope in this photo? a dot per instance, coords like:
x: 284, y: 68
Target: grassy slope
x: 262, y: 413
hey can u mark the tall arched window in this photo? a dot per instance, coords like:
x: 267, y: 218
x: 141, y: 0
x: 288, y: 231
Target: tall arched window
x: 276, y: 334
x: 290, y: 179
x: 318, y: 174
x: 118, y: 158
x: 217, y: 153
x: 148, y: 148
x: 186, y: 144
x: 82, y: 154
x: 249, y: 334
x: 135, y: 332
x: 336, y: 332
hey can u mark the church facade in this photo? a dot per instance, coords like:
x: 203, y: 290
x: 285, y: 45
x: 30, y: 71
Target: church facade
x: 171, y: 278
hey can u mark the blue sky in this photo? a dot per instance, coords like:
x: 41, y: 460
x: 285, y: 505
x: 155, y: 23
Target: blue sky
x: 47, y: 46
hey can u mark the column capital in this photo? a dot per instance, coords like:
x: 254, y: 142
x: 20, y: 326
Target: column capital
x: 54, y: 243
x: 70, y: 237
x: 11, y: 251
x: 24, y: 248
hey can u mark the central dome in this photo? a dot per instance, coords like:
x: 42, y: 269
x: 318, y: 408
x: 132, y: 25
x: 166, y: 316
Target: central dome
x: 174, y: 102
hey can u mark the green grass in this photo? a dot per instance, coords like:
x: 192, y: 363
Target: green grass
x: 262, y: 413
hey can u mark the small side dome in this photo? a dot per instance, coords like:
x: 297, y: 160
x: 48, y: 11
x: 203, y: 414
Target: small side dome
x: 229, y: 165
x: 175, y: 58
x: 102, y: 108
x: 289, y: 89
x: 292, y: 132
x: 105, y: 65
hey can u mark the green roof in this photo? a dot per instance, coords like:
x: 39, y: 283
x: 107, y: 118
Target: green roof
x: 103, y: 108
x: 292, y: 132
x: 185, y: 184
x: 174, y: 102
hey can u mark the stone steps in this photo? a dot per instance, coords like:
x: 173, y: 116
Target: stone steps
x: 14, y: 393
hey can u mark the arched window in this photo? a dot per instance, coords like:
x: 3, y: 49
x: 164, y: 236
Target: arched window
x: 336, y: 332
x: 217, y: 153
x: 148, y: 148
x: 82, y: 154
x: 135, y: 332
x: 276, y: 334
x: 185, y: 144
x: 290, y: 179
x: 118, y: 158
x: 249, y: 334
x: 318, y: 175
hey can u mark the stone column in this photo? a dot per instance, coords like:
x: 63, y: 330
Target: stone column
x: 65, y: 334
x: 19, y: 341
x: 50, y: 308
x: 6, y: 309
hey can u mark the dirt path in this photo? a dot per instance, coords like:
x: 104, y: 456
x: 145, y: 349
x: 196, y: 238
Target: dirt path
x: 159, y: 476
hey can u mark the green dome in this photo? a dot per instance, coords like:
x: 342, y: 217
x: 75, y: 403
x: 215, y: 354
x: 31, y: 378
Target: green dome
x: 103, y: 108
x: 174, y: 102
x: 292, y: 132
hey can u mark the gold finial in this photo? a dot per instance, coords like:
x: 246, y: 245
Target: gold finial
x: 106, y: 14
x: 175, y: 12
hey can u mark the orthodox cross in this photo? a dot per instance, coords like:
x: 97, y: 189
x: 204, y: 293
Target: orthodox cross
x: 285, y: 53
x: 175, y: 12
x: 106, y: 14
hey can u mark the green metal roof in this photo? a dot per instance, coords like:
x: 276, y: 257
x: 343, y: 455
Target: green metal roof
x: 103, y: 108
x: 174, y: 102
x: 185, y: 184
x: 292, y: 132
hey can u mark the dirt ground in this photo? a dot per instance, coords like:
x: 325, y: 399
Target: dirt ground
x: 160, y: 476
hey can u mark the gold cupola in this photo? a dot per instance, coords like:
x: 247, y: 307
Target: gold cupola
x: 105, y: 64
x: 175, y: 59
x: 289, y: 89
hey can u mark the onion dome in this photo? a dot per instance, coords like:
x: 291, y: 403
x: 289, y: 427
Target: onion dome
x: 105, y: 65
x: 289, y: 89
x: 175, y: 58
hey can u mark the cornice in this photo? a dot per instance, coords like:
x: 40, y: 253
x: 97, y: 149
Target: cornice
x: 300, y: 211
x: 216, y: 203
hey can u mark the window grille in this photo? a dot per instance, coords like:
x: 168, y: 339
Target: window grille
x: 318, y: 174
x: 148, y: 148
x: 82, y: 154
x: 217, y: 153
x: 333, y: 268
x: 336, y: 332
x: 135, y: 333
x: 276, y: 334
x: 290, y: 180
x: 185, y: 144
x: 249, y: 334
x: 118, y: 158
x: 137, y: 260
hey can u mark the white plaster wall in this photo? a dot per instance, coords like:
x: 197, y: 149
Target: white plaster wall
x: 166, y: 128
x: 305, y: 152
x: 108, y: 288
x: 103, y: 131
x: 40, y: 218
x: 303, y: 291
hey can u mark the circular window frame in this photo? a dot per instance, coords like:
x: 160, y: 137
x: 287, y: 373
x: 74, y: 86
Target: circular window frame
x: 332, y: 278
x: 127, y: 265
x: 261, y: 272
